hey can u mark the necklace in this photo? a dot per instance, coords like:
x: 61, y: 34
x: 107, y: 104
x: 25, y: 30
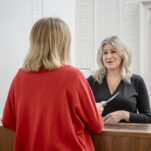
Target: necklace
x: 113, y: 84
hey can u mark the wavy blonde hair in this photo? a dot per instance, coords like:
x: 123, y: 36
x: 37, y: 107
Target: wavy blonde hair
x: 122, y: 50
x: 49, y: 45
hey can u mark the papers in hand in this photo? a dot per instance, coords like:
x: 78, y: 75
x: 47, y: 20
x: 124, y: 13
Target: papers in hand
x: 104, y: 103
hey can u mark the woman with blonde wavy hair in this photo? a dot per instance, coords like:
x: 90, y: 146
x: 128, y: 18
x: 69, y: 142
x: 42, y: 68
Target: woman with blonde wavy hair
x: 48, y: 101
x: 114, y: 78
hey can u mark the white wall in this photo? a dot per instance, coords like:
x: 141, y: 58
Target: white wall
x: 84, y: 53
x: 106, y: 20
x: 145, y: 42
x: 90, y: 21
x: 17, y: 18
x: 15, y: 24
x: 64, y: 9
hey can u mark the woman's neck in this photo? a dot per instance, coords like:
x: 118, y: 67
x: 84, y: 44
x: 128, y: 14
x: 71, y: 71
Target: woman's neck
x: 113, y: 80
x: 114, y: 74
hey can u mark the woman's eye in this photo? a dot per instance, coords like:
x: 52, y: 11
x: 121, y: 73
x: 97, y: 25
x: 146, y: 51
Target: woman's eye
x: 104, y: 52
x: 113, y: 51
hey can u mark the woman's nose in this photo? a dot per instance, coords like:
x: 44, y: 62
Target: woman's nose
x: 109, y: 55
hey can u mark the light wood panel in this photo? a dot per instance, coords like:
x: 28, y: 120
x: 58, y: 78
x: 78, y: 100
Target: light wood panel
x: 6, y: 139
x: 124, y: 137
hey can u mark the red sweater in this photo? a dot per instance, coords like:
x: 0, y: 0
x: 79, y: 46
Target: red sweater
x: 52, y: 111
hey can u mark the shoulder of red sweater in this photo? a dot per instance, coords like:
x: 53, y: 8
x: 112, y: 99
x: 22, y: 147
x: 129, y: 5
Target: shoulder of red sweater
x: 72, y: 69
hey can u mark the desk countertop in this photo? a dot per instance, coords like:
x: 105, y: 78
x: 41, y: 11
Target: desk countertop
x: 125, y: 127
x: 128, y: 127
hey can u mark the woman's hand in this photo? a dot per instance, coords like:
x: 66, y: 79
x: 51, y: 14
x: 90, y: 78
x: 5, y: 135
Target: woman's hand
x: 99, y: 107
x: 116, y: 117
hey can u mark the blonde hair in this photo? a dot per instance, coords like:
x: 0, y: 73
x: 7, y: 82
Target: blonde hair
x: 122, y: 50
x: 49, y: 45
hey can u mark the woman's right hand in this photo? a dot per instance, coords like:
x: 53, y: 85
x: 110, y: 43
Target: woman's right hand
x: 99, y: 107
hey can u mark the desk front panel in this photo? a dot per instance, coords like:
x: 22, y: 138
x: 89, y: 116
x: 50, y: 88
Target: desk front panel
x: 124, y: 137
x: 117, y: 137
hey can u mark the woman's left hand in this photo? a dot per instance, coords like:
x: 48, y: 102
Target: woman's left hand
x: 116, y: 117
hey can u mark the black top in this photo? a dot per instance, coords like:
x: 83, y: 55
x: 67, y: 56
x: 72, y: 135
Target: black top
x: 132, y: 97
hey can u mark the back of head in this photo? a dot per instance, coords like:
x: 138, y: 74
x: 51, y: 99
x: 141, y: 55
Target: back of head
x: 49, y: 45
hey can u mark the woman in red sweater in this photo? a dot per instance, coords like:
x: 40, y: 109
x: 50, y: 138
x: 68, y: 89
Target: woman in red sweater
x: 50, y: 105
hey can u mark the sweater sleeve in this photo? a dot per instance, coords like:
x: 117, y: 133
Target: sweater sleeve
x: 85, y: 107
x: 143, y: 105
x: 8, y: 118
